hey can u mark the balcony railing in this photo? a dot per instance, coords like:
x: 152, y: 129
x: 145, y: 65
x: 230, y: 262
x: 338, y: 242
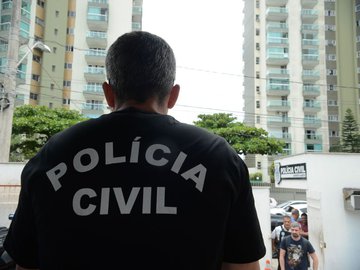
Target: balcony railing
x: 96, y: 34
x: 97, y: 17
x: 278, y: 103
x: 310, y: 27
x: 311, y: 90
x: 99, y: 1
x: 100, y: 53
x: 95, y: 70
x: 278, y: 87
x: 277, y: 25
x: 277, y: 71
x: 312, y: 104
x: 278, y: 40
x: 310, y: 42
x: 96, y: 89
x: 316, y: 137
x: 310, y: 57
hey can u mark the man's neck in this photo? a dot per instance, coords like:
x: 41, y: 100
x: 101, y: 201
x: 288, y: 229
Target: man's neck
x: 150, y: 105
x: 296, y: 238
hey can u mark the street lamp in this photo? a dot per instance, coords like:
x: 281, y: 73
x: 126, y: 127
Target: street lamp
x: 37, y: 45
x: 7, y: 102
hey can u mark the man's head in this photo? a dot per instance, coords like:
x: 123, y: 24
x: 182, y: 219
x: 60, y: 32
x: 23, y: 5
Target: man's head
x: 295, y: 230
x: 287, y: 222
x: 295, y: 214
x: 140, y: 66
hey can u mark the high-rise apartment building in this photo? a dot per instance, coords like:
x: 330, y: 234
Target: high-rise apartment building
x: 78, y: 32
x: 301, y: 69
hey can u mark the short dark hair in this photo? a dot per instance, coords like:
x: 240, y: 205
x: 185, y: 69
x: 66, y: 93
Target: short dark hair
x: 140, y: 65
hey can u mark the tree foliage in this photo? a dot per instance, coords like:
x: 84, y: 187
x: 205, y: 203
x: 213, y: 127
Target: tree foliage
x: 350, y: 133
x: 34, y: 125
x: 244, y: 139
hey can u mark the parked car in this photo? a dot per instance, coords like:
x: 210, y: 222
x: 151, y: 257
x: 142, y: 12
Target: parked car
x: 301, y: 207
x: 283, y: 208
x: 273, y: 202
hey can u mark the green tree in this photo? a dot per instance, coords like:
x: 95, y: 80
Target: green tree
x: 34, y: 125
x: 350, y: 133
x: 244, y: 139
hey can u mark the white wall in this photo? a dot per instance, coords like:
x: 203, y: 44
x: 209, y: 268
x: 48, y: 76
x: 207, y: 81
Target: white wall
x: 262, y: 198
x: 9, y: 190
x: 329, y: 222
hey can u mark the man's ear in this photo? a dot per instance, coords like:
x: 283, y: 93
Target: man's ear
x: 174, y: 94
x: 109, y: 94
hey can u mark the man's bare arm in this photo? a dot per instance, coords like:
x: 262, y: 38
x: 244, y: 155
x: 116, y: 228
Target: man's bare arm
x: 242, y: 266
x: 282, y: 259
x: 315, y: 260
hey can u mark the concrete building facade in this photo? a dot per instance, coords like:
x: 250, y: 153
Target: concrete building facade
x: 78, y: 34
x: 300, y: 71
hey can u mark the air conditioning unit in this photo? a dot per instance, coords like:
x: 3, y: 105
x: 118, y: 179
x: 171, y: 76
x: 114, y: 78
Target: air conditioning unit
x: 355, y: 201
x: 352, y: 199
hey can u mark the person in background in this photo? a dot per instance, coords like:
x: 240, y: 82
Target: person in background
x: 304, y: 226
x: 295, y: 251
x: 278, y: 234
x: 295, y: 215
x: 135, y: 188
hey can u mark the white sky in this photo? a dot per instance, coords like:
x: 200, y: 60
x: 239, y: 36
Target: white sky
x: 206, y: 37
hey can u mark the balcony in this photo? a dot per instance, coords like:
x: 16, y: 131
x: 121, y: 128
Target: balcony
x: 312, y: 106
x: 277, y: 42
x: 95, y: 57
x: 97, y: 21
x: 309, y: 3
x: 309, y: 15
x: 310, y: 60
x: 276, y: 2
x: 278, y: 73
x: 310, y: 43
x: 93, y: 109
x: 278, y: 121
x: 94, y: 74
x: 92, y: 91
x: 99, y: 3
x: 313, y: 138
x: 310, y: 28
x: 311, y: 90
x: 277, y: 58
x: 276, y: 14
x: 277, y: 27
x: 96, y: 39
x: 312, y: 123
x: 310, y: 75
x: 278, y: 105
x: 278, y: 89
x: 136, y: 13
x: 281, y: 135
x: 136, y: 26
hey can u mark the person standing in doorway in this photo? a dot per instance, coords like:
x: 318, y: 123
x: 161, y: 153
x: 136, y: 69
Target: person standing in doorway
x: 294, y: 251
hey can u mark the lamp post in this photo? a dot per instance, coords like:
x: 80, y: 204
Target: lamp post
x: 9, y: 86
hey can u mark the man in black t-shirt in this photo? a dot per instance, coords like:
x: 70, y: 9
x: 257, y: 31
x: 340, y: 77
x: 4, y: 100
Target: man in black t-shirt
x: 136, y: 189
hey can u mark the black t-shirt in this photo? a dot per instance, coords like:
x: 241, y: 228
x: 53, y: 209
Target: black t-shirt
x: 135, y: 190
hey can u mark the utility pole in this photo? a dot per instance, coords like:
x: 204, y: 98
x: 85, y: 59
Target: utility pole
x: 6, y: 114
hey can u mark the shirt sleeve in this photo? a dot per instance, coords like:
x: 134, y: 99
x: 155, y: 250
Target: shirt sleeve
x: 20, y: 242
x: 310, y: 247
x: 243, y: 241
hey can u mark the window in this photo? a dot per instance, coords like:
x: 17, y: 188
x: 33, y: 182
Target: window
x: 54, y: 50
x: 71, y: 13
x: 39, y: 21
x: 258, y: 119
x: 66, y: 101
x: 257, y: 3
x: 68, y: 66
x: 56, y: 31
x: 257, y: 31
x: 331, y: 72
x: 41, y: 3
x: 331, y: 87
x: 258, y: 165
x: 70, y: 31
x: 330, y: 42
x: 51, y: 105
x: 258, y: 89
x: 334, y: 133
x: 330, y: 13
x: 357, y: 8
x: 258, y: 46
x: 332, y: 102
x: 333, y: 118
x: 331, y: 57
x: 69, y: 48
x: 257, y: 75
x: 53, y: 67
x: 257, y: 17
x: 33, y: 96
x: 258, y: 104
x: 257, y: 60
x: 330, y: 27
x: 36, y: 58
x: 67, y: 83
x: 57, y: 13
x: 35, y: 77
x: 52, y: 86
